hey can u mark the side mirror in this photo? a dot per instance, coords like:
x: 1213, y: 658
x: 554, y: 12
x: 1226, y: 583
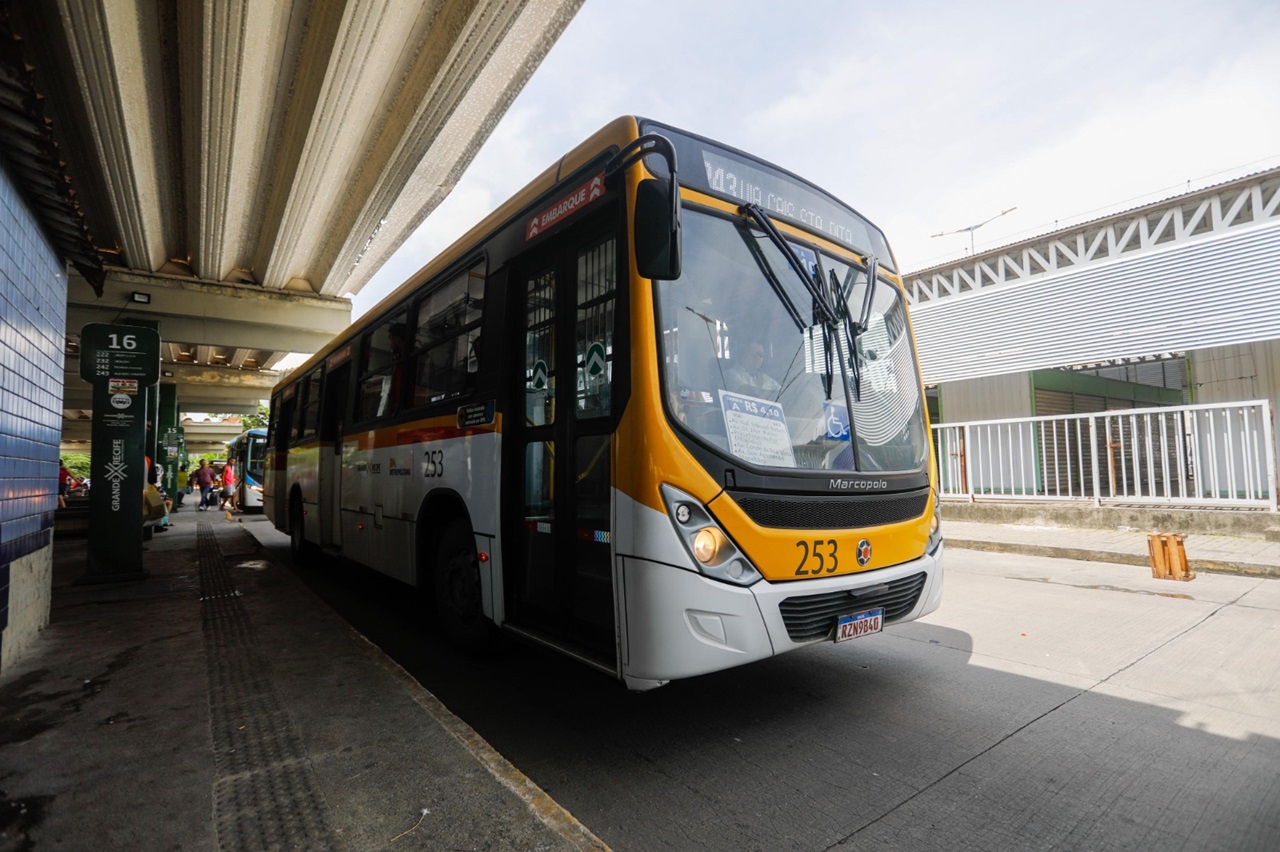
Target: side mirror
x: 657, y: 224
x: 657, y: 230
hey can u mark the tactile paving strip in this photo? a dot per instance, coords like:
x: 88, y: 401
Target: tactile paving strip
x: 265, y: 795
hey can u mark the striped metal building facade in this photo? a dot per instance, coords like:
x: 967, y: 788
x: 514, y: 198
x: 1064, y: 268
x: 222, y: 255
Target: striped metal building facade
x: 1194, y: 280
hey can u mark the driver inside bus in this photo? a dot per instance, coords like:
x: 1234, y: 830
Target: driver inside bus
x: 748, y: 377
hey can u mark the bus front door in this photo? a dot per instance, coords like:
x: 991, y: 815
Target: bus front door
x: 558, y: 569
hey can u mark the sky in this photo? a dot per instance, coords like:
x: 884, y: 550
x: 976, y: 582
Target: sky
x: 927, y: 117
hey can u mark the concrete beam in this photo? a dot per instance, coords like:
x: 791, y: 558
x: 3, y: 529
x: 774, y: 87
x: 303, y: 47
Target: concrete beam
x: 115, y: 53
x: 188, y: 375
x: 391, y: 153
x: 202, y: 312
x: 211, y: 406
x: 218, y: 406
x: 191, y: 398
x: 211, y: 435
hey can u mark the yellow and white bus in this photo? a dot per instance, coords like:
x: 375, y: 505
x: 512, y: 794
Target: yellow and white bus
x: 660, y: 411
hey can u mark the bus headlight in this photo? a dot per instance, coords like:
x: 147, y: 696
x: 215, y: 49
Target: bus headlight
x: 706, y: 545
x: 715, y: 555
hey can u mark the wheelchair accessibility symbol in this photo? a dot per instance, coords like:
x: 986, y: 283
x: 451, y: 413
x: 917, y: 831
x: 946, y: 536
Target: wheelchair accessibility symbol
x: 837, y: 417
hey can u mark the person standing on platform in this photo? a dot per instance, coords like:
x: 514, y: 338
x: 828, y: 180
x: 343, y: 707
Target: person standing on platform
x: 64, y: 484
x: 184, y: 487
x: 202, y: 477
x: 230, y: 493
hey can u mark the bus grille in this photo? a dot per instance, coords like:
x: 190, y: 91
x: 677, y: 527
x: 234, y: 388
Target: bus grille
x: 810, y: 617
x: 832, y: 512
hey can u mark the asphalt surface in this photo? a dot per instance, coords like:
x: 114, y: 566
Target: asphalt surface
x: 1050, y: 703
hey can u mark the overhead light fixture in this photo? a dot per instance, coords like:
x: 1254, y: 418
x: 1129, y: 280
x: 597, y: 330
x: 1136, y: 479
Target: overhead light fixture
x: 140, y: 297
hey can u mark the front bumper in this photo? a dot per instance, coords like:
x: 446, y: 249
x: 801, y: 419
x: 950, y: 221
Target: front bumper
x: 677, y: 623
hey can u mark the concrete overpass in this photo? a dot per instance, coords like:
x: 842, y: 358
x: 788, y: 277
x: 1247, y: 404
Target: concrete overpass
x: 231, y: 170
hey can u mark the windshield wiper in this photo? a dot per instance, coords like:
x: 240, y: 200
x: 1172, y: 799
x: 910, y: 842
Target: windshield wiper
x: 850, y: 327
x: 761, y: 218
x: 812, y: 283
x: 853, y: 329
x: 772, y: 278
x: 873, y: 272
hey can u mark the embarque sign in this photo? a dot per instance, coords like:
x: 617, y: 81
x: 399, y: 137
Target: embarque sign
x: 580, y: 197
x: 122, y: 362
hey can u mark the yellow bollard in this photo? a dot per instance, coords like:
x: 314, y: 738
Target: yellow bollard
x: 1156, y: 551
x: 1168, y: 557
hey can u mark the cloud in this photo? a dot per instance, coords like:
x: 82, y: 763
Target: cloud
x: 925, y: 115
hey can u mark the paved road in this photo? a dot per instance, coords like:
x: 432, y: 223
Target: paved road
x: 1048, y: 704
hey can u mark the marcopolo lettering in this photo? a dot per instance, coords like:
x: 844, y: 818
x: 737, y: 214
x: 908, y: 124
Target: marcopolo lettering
x: 859, y: 484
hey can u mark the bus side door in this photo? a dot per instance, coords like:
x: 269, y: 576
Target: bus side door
x: 558, y: 555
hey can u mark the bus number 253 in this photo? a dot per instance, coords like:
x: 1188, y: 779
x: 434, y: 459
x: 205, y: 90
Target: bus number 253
x: 817, y: 557
x: 434, y: 463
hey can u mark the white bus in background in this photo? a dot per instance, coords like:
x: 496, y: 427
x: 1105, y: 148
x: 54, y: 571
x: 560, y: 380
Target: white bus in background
x: 249, y: 450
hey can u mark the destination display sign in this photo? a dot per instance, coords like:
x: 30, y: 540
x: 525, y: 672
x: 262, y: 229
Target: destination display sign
x: 127, y: 355
x: 730, y: 174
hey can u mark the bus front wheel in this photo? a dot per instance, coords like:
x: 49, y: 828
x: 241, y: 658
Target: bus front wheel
x: 458, y: 594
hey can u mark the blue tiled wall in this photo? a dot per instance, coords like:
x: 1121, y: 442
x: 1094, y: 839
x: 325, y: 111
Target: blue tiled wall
x: 33, y: 318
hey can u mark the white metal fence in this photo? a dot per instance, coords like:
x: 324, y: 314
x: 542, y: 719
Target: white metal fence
x: 1193, y: 455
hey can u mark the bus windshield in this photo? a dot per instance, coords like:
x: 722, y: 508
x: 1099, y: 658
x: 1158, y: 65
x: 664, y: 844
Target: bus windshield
x: 754, y: 368
x: 256, y: 461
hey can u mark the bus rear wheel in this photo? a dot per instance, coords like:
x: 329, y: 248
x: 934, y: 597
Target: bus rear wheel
x: 458, y: 595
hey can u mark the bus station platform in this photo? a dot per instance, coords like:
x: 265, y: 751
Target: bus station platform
x: 220, y: 704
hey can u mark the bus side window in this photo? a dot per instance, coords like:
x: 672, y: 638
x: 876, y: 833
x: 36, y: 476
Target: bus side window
x: 446, y: 346
x: 382, y: 364
x: 273, y: 423
x: 309, y: 416
x: 282, y: 408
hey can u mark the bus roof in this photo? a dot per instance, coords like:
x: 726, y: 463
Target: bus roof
x: 256, y: 432
x: 618, y: 132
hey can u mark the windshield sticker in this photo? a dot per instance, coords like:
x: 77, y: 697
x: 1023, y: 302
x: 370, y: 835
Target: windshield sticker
x: 565, y: 207
x: 757, y: 430
x: 837, y: 419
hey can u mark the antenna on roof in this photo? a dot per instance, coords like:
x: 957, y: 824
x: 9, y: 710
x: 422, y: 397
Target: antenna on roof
x: 973, y: 228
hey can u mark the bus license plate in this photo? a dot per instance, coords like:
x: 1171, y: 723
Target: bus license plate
x: 857, y: 624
